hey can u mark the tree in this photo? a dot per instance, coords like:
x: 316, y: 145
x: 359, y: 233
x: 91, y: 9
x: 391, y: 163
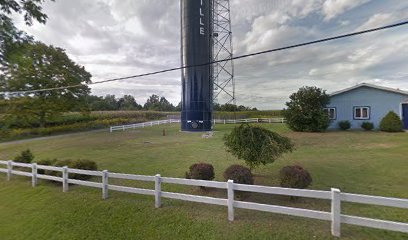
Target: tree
x: 38, y: 66
x: 166, y: 105
x: 256, y: 145
x: 152, y: 103
x: 305, y: 110
x: 128, y: 102
x: 9, y: 34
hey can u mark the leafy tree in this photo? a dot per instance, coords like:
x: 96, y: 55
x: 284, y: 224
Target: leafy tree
x: 256, y: 145
x: 9, y: 34
x: 166, y: 105
x: 157, y: 103
x: 305, y: 112
x: 38, y: 66
x: 178, y: 107
x: 152, y: 103
x: 232, y: 108
x: 128, y: 102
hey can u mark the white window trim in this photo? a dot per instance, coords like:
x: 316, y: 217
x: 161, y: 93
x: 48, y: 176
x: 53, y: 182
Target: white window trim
x: 335, y: 112
x: 362, y: 107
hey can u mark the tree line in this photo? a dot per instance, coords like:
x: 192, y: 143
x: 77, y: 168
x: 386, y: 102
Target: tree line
x: 153, y: 103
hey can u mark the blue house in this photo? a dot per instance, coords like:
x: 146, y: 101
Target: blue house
x: 366, y: 103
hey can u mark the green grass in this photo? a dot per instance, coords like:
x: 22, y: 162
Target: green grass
x: 357, y: 162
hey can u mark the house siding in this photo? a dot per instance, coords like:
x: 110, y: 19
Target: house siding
x: 379, y: 101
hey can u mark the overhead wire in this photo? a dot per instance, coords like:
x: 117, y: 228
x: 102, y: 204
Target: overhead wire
x: 213, y: 62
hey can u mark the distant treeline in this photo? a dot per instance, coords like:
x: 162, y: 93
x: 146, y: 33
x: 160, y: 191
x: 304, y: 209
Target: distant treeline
x: 153, y: 103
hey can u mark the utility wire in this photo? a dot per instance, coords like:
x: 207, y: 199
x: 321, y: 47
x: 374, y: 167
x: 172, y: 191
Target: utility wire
x: 218, y: 61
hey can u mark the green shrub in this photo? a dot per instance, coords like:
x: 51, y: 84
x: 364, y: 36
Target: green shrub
x: 391, y: 123
x: 24, y: 157
x: 295, y: 177
x: 77, y: 164
x: 45, y: 162
x: 201, y: 171
x: 256, y: 145
x: 344, y: 125
x: 368, y: 126
x: 305, y: 110
x: 239, y: 174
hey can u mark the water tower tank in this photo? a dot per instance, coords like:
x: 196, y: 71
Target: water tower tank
x: 196, y: 48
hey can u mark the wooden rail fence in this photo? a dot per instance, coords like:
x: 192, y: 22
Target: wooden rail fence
x: 335, y: 195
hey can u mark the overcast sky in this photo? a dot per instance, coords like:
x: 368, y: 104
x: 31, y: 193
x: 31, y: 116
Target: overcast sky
x: 116, y: 38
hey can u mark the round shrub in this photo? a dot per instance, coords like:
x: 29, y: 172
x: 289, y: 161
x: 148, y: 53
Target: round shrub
x: 201, y: 171
x: 256, y: 145
x: 295, y: 177
x: 368, y: 126
x: 77, y: 164
x: 345, y: 125
x: 391, y: 123
x: 24, y: 157
x: 239, y: 174
x: 45, y: 162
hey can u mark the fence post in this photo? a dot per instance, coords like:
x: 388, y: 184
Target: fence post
x: 157, y: 190
x: 9, y: 169
x: 230, y: 187
x: 224, y: 121
x: 65, y: 179
x: 34, y: 174
x: 105, y: 175
x: 336, y: 212
x: 110, y: 130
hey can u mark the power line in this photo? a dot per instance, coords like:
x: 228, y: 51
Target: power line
x: 218, y: 61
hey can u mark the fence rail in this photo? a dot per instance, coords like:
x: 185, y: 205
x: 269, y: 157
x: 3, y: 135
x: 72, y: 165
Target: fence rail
x: 215, y: 121
x: 335, y: 196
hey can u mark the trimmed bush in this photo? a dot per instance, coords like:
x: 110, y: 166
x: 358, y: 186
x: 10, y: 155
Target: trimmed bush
x: 368, y: 126
x: 77, y: 164
x: 391, y: 123
x: 239, y: 174
x: 45, y: 162
x: 24, y: 157
x: 201, y: 171
x: 256, y: 145
x: 344, y: 125
x: 295, y: 177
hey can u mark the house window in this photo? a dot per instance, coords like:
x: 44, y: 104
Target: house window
x: 331, y: 112
x: 361, y: 113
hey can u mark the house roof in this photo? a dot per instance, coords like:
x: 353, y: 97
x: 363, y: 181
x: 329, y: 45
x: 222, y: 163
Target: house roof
x: 370, y: 86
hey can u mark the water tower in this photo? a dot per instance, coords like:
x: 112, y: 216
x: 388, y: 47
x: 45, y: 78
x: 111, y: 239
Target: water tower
x: 205, y: 37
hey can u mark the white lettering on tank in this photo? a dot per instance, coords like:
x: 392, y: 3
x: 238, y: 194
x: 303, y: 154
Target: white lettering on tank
x: 202, y: 30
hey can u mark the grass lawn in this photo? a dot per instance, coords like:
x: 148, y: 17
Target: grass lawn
x: 371, y: 163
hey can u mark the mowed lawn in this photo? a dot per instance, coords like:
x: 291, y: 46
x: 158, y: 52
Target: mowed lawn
x: 371, y: 163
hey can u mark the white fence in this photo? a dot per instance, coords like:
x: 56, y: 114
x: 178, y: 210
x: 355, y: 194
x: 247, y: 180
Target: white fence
x: 249, y: 120
x: 335, y: 196
x: 142, y: 125
x: 216, y: 121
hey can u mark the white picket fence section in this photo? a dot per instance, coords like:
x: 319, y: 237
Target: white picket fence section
x: 335, y: 196
x: 215, y: 121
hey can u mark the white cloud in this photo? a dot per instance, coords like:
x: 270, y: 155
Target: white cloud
x: 333, y: 8
x: 116, y: 38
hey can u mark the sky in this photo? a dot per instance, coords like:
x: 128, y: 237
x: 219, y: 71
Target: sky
x: 117, y: 38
